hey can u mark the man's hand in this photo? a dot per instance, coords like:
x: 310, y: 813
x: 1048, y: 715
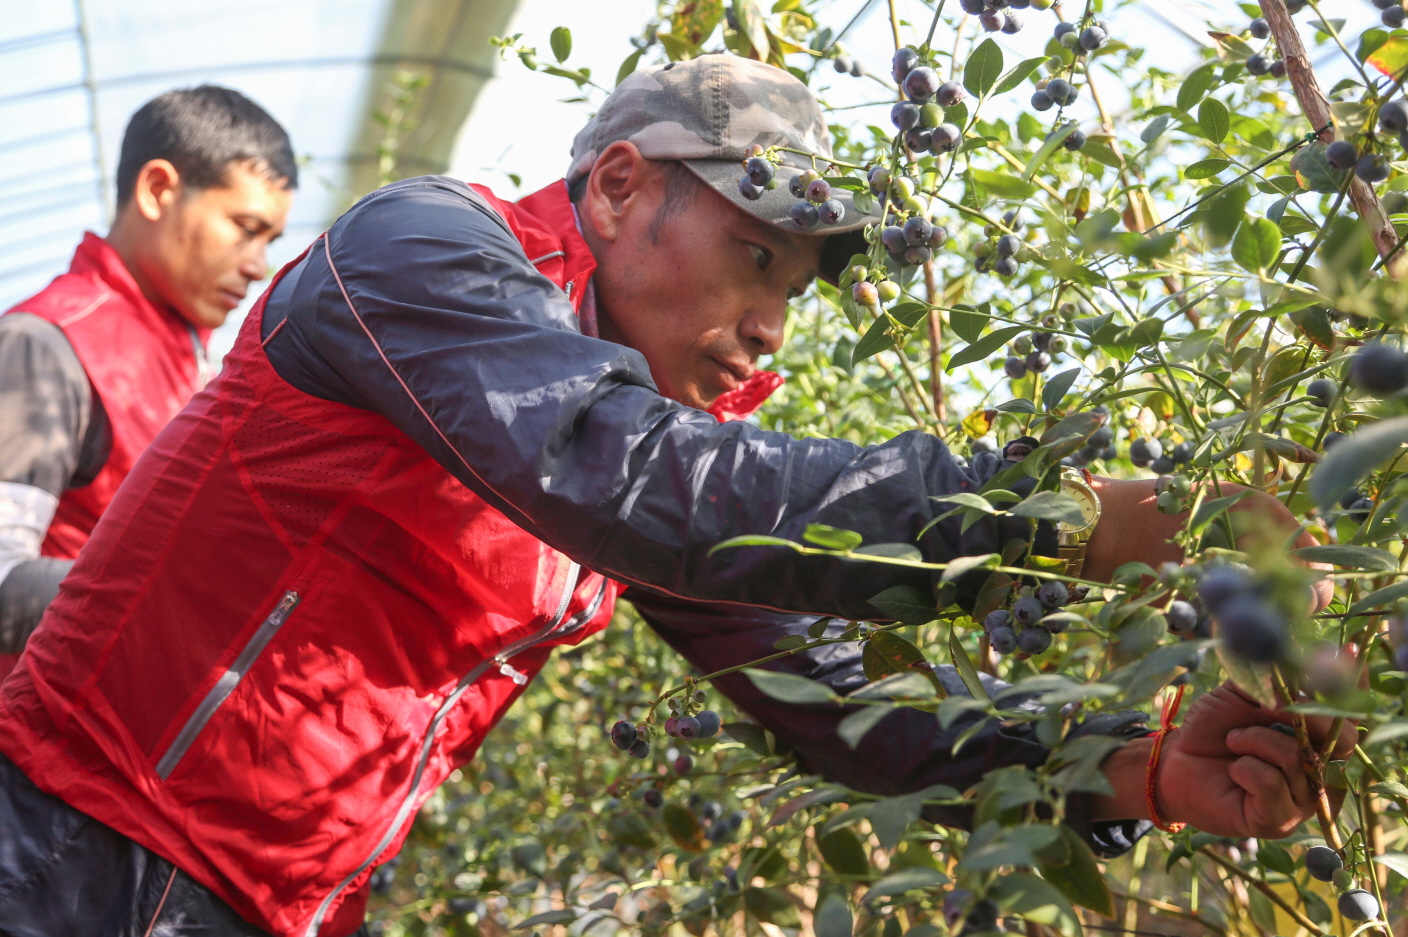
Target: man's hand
x: 1132, y: 528
x: 1224, y: 771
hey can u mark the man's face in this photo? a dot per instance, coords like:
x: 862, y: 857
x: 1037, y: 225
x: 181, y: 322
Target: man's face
x: 204, y: 247
x: 702, y: 292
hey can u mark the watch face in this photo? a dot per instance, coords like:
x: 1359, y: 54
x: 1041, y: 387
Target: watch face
x: 1089, y: 507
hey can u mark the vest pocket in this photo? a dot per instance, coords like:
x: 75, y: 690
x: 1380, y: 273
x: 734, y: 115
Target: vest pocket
x: 227, y: 683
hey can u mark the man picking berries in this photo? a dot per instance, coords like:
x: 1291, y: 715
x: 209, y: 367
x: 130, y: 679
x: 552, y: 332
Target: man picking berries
x: 450, y: 436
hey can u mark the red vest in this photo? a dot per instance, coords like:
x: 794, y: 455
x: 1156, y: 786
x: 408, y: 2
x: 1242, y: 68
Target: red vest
x: 140, y: 361
x: 290, y: 626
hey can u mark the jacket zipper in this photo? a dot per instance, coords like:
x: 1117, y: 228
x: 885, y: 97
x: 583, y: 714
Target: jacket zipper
x: 499, y: 660
x: 227, y: 684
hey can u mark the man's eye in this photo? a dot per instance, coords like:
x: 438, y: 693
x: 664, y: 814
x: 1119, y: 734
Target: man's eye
x: 794, y: 293
x: 761, y: 256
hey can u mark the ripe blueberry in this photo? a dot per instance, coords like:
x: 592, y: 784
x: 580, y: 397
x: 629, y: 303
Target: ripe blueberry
x: 973, y: 7
x: 1358, y: 904
x: 917, y: 230
x: 623, y: 735
x: 1278, y: 69
x: 640, y: 749
x: 903, y: 63
x: 992, y: 20
x: 998, y: 618
x: 1144, y: 451
x: 1393, y: 17
x: 653, y: 797
x: 1075, y: 140
x: 1372, y: 168
x: 1008, y: 244
x: 1003, y: 640
x: 711, y: 811
x: 1260, y: 28
x: 1361, y: 509
x: 748, y: 190
x: 1341, y: 155
x: 689, y: 727
x: 672, y: 727
x: 1034, y: 640
x: 709, y: 723
x: 1061, y: 91
x: 1183, y: 453
x: 905, y: 115
x: 1221, y: 585
x: 831, y: 211
x: 1028, y: 610
x: 818, y: 191
x: 1037, y: 361
x: 1041, y: 101
x: 949, y: 94
x: 760, y: 171
x: 937, y: 238
x: 917, y: 254
x: 1380, y: 369
x: 1062, y: 29
x: 1323, y: 390
x: 1163, y: 465
x: 1093, y: 38
x: 1013, y: 23
x: 1330, y: 439
x: 683, y: 765
x: 893, y: 239
x: 1015, y: 367
x: 1252, y: 629
x: 1258, y: 64
x: 921, y: 83
x: 1182, y: 617
x: 1393, y: 116
x: 945, y: 138
x: 805, y: 215
x: 919, y: 140
x: 1053, y: 594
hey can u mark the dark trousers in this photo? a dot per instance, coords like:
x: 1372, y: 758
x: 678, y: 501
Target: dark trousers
x: 64, y: 874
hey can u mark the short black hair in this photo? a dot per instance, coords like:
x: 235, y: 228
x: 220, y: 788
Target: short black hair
x: 201, y: 131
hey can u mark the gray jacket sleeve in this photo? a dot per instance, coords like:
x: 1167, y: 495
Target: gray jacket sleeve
x: 419, y: 304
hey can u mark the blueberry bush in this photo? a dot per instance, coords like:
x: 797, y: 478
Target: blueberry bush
x: 1203, y: 288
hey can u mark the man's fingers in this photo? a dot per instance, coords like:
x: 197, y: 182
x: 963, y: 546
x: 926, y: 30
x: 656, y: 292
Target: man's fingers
x: 1270, y: 810
x: 1278, y: 750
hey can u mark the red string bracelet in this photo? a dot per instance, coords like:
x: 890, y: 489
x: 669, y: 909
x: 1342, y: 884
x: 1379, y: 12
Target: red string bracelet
x: 1170, y: 712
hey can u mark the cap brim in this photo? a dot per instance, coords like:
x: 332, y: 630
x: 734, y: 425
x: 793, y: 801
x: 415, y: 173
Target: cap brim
x: 775, y: 207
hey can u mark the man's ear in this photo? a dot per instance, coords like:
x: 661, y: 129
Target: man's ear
x: 157, y: 187
x: 621, y: 184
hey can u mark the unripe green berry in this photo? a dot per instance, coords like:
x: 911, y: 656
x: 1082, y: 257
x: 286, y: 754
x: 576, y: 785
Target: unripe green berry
x: 1343, y: 878
x: 889, y: 290
x: 930, y: 116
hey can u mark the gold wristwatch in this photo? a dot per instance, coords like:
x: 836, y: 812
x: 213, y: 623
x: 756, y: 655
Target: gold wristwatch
x: 1071, y: 539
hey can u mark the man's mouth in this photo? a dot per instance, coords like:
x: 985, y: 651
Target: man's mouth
x: 230, y: 298
x: 734, y: 374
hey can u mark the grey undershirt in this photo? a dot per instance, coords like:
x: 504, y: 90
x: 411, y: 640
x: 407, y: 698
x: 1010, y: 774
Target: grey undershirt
x: 54, y: 435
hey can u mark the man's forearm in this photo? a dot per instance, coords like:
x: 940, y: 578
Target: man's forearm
x: 24, y: 595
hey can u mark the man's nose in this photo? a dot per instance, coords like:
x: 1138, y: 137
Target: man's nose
x: 255, y: 264
x: 762, y: 330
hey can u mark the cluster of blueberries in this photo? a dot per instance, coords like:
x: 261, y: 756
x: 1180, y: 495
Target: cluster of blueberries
x: 1002, y: 251
x: 815, y: 203
x: 1000, y: 15
x: 1027, y: 614
x: 717, y: 826
x: 913, y: 242
x: 1261, y: 63
x: 1250, y: 626
x: 1033, y: 353
x: 636, y: 739
x: 921, y: 118
x: 1379, y: 369
x: 1372, y: 168
x: 1392, y: 14
x: 1325, y: 865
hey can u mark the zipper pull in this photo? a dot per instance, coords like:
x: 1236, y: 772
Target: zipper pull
x: 508, y: 670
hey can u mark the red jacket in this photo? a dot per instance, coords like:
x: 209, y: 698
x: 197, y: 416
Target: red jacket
x: 350, y: 619
x: 140, y: 360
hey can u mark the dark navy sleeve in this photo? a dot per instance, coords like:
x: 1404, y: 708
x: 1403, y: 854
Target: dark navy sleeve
x: 419, y: 304
x: 906, y: 751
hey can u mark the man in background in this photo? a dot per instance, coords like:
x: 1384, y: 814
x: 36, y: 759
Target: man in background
x: 97, y: 363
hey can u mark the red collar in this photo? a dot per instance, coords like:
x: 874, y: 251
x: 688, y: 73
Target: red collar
x: 96, y: 258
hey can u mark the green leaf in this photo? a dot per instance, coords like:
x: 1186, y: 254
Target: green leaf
x: 1313, y: 172
x: 1155, y: 129
x: 1355, y: 456
x: 1387, y: 733
x: 1019, y: 73
x: 833, y: 918
x: 1343, y: 554
x: 684, y: 828
x: 789, y: 687
x: 982, y: 69
x: 914, y: 877
x: 907, y: 604
x: 753, y: 540
x: 629, y: 65
x: 1390, y: 789
x: 630, y: 829
x: 1029, y: 897
x: 1051, y: 506
x: 1080, y: 878
x: 966, y: 671
x: 1001, y: 184
x: 1195, y: 86
x: 1257, y: 244
x: 1379, y: 598
x: 771, y: 905
x: 989, y: 343
x: 560, y: 916
x: 967, y: 499
x: 965, y: 564
x: 1213, y: 120
x: 1053, y: 141
x: 1210, y: 509
x: 1396, y: 861
x: 966, y: 323
x: 842, y: 851
x: 887, y: 653
x: 1206, y: 168
x: 899, y: 551
x: 831, y: 538
x: 876, y: 339
x: 854, y: 727
x: 1391, y: 57
x: 561, y: 43
x: 810, y: 799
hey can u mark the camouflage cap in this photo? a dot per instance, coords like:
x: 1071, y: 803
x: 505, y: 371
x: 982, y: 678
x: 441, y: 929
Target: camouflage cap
x: 706, y: 112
